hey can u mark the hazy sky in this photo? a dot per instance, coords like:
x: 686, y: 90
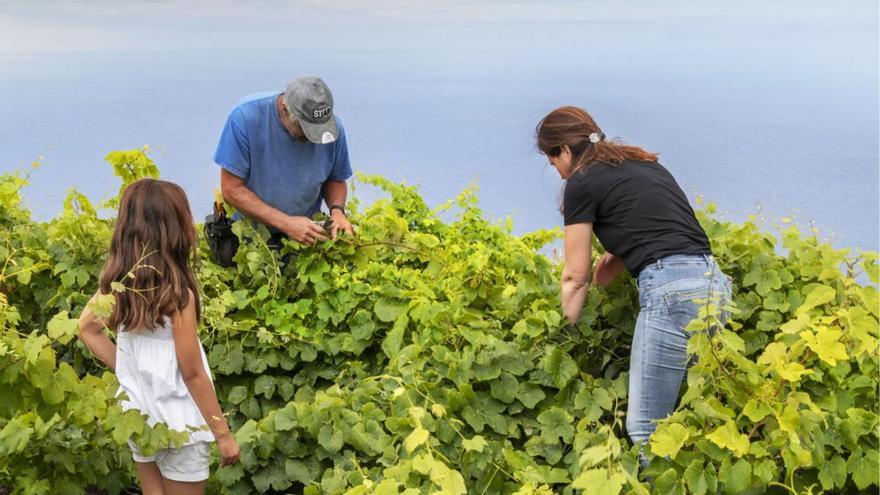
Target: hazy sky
x: 750, y: 99
x: 120, y: 25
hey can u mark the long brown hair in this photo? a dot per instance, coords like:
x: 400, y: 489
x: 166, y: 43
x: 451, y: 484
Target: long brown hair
x: 151, y: 250
x: 572, y: 127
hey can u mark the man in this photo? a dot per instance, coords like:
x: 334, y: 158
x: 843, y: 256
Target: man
x: 282, y: 153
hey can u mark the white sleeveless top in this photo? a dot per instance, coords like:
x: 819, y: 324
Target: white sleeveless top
x: 149, y: 373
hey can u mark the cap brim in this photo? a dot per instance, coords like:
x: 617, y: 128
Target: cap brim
x: 325, y: 133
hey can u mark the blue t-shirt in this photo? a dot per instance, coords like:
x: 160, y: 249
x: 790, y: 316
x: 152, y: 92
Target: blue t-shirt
x: 278, y: 168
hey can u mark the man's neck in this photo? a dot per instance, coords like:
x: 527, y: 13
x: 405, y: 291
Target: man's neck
x: 279, y: 106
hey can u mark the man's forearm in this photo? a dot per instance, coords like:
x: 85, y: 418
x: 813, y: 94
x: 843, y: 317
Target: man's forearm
x: 245, y: 201
x: 335, y: 193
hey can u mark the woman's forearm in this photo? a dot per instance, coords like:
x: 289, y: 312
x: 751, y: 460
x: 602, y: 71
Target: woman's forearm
x: 574, y: 293
x: 576, y: 273
x: 615, y: 266
x: 205, y: 397
x: 607, y: 269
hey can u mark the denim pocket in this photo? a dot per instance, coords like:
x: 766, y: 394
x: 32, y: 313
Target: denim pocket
x: 680, y: 297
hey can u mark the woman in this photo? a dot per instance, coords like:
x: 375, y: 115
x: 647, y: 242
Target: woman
x: 644, y: 222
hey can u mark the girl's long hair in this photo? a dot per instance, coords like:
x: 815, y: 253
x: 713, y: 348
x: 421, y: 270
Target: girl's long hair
x: 572, y: 127
x: 153, y: 245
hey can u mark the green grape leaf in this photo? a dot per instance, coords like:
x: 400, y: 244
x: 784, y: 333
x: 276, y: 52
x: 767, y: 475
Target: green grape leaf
x: 62, y: 328
x: 475, y: 444
x: 832, y: 473
x: 556, y: 423
x: 559, y: 366
x: 700, y: 478
x: 388, y: 310
x: 237, y: 394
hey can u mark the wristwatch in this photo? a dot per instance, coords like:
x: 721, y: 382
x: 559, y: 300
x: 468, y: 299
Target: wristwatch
x: 337, y: 207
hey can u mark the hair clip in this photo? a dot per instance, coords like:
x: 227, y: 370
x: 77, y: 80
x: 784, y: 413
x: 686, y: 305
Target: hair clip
x: 596, y: 137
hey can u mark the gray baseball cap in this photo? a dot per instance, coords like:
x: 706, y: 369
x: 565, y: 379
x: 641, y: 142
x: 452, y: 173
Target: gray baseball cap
x: 310, y: 100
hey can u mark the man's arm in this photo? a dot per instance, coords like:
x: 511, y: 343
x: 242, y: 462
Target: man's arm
x: 236, y: 192
x: 335, y: 192
x: 576, y: 273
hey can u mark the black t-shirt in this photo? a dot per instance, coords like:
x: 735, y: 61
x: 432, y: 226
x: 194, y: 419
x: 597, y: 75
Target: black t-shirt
x: 638, y: 211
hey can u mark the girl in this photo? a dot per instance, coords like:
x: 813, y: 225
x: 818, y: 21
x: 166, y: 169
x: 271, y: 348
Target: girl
x: 643, y: 220
x: 158, y: 359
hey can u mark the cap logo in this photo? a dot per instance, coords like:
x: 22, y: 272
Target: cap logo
x: 327, y: 138
x: 319, y: 113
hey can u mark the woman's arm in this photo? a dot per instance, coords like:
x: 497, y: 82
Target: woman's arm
x: 91, y: 332
x: 189, y: 356
x: 607, y: 269
x: 576, y: 273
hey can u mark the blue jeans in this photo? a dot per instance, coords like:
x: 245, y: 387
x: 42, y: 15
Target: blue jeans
x: 659, y: 359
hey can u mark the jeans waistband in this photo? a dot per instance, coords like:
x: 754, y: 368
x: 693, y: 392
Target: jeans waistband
x: 683, y: 259
x: 676, y: 260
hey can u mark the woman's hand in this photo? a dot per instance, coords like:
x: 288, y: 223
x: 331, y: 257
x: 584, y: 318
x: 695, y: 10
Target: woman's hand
x: 228, y: 448
x: 607, y: 269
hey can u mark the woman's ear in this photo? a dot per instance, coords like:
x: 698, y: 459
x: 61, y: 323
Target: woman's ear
x: 565, y: 149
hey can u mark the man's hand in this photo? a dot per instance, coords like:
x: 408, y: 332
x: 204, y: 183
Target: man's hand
x: 607, y: 269
x: 340, y: 222
x: 303, y: 230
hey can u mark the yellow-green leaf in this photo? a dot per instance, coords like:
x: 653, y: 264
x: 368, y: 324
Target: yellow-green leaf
x: 669, y: 439
x: 755, y: 410
x: 416, y: 438
x: 102, y: 306
x: 790, y: 371
x: 600, y: 482
x: 795, y: 325
x: 727, y: 436
x: 789, y: 419
x: 820, y: 295
x: 826, y: 344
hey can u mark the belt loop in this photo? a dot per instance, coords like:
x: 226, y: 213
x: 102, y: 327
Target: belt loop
x: 660, y: 264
